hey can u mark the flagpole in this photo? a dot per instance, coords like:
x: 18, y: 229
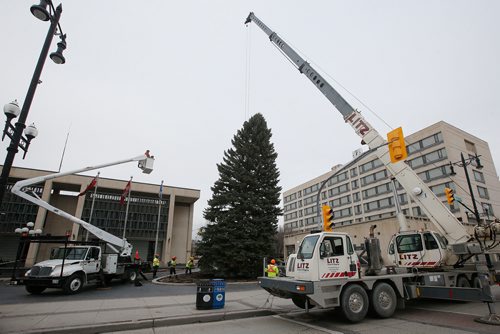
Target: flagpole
x: 126, y: 210
x: 64, y: 151
x: 92, y: 206
x: 158, y: 223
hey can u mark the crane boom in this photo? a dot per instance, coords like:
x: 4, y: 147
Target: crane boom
x: 21, y: 189
x: 444, y: 221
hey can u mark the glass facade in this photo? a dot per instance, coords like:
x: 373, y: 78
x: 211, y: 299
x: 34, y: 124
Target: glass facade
x: 142, y: 220
x: 17, y: 211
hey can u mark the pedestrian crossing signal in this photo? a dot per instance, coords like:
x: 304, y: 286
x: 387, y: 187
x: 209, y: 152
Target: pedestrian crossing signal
x: 328, y: 223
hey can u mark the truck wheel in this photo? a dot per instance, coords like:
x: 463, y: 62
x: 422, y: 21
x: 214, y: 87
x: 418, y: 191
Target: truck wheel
x: 301, y: 302
x: 463, y: 282
x: 35, y: 290
x: 73, y: 284
x: 384, y: 300
x: 354, y: 303
x: 129, y: 276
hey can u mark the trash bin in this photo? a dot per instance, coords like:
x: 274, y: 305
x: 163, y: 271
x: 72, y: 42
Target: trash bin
x: 219, y: 293
x: 204, y: 295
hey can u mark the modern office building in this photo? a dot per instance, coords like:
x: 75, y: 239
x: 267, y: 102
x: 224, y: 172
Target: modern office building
x: 361, y: 191
x: 175, y: 214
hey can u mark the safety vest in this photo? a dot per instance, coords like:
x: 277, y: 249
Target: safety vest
x: 272, y: 270
x: 156, y: 262
x: 190, y: 264
x: 173, y: 263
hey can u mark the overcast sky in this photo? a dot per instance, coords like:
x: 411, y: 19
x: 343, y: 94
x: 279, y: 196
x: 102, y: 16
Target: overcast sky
x: 181, y: 77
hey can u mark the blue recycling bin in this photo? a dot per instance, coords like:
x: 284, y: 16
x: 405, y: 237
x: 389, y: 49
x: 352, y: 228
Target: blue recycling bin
x: 219, y: 293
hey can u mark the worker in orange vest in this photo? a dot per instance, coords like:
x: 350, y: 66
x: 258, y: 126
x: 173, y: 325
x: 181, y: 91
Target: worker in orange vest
x: 272, y: 270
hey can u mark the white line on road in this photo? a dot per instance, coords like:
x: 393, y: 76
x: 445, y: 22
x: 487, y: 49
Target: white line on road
x: 308, y: 325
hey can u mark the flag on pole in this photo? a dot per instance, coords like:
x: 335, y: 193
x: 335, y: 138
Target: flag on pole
x: 125, y: 192
x: 161, y: 190
x: 91, y: 185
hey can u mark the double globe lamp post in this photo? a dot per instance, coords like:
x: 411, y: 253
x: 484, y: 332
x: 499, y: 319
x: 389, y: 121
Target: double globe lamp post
x: 44, y: 11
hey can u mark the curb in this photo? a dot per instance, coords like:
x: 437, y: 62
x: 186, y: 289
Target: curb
x: 156, y: 281
x: 152, y: 323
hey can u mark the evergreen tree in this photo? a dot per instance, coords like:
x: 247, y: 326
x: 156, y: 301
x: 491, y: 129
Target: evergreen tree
x: 243, y: 212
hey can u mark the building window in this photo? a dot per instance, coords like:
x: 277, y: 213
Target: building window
x: 478, y: 176
x: 424, y: 143
x: 378, y: 190
x: 338, y: 190
x: 483, y: 192
x: 338, y: 178
x: 470, y: 146
x: 311, y: 189
x: 354, y: 172
x: 354, y: 184
x: 366, y: 167
x: 488, y: 209
x: 340, y: 201
x: 433, y: 174
x: 373, y: 177
x: 379, y: 204
x: 428, y: 158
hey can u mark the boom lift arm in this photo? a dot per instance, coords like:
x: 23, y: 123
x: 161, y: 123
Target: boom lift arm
x: 445, y: 222
x: 21, y: 189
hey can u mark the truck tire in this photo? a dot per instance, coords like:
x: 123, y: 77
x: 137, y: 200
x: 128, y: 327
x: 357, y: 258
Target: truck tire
x: 354, y: 303
x: 130, y: 275
x: 383, y: 300
x: 35, y: 290
x: 463, y: 282
x: 301, y: 302
x: 73, y: 284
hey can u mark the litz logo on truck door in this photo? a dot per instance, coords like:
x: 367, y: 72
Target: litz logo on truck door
x: 408, y: 256
x: 358, y: 123
x: 304, y: 266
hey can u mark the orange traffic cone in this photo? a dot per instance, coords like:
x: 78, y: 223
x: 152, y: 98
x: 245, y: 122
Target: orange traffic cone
x: 137, y: 255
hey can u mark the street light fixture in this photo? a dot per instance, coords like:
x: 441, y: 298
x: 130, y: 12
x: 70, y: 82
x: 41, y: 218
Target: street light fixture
x: 44, y: 11
x: 11, y: 111
x: 40, y: 11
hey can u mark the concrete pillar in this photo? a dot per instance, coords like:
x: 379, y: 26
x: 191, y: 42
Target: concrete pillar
x: 31, y: 257
x: 167, y: 245
x: 78, y: 213
x: 189, y: 232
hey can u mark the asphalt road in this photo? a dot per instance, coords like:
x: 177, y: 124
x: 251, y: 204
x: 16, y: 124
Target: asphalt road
x: 17, y: 294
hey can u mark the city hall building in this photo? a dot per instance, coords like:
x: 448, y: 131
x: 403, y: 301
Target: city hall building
x: 361, y: 191
x: 175, y: 211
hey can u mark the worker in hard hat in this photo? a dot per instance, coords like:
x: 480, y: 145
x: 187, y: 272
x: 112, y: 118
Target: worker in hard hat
x: 172, y: 265
x: 190, y: 265
x: 156, y: 265
x: 272, y: 270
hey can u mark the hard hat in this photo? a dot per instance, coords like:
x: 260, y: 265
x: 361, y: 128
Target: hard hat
x: 191, y: 258
x: 273, y: 261
x: 174, y: 257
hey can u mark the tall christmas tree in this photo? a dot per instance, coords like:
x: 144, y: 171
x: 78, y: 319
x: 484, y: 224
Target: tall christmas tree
x: 243, y: 212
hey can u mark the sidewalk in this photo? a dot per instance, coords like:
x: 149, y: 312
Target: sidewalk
x: 94, y: 316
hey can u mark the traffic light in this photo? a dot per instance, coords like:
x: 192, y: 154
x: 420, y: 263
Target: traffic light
x: 328, y: 223
x: 450, y: 197
x: 397, y: 146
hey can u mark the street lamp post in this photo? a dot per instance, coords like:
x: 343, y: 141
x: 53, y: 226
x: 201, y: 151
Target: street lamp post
x: 464, y: 163
x: 40, y: 12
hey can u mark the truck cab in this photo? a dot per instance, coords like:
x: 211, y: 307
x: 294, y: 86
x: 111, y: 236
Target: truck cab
x: 324, y: 256
x: 422, y: 249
